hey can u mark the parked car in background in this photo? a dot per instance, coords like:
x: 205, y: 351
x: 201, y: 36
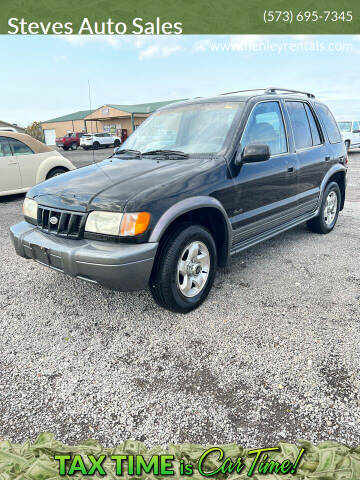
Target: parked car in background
x: 98, y: 140
x: 241, y: 169
x: 8, y: 129
x: 69, y: 141
x: 24, y: 162
x: 350, y: 132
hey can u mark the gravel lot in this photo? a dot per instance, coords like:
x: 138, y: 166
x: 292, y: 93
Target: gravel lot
x: 272, y: 354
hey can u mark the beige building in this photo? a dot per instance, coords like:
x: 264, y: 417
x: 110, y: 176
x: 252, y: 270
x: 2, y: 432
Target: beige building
x: 117, y: 119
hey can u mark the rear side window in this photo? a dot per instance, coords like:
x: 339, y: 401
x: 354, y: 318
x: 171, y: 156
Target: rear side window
x: 266, y: 126
x: 19, y: 148
x: 328, y: 120
x: 300, y: 125
x: 356, y: 126
x: 5, y: 150
x: 316, y: 139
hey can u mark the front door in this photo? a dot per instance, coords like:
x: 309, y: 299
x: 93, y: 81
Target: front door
x: 355, y: 140
x: 265, y: 193
x: 10, y: 178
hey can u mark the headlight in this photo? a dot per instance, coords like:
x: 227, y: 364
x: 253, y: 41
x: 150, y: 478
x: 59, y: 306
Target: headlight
x: 119, y: 224
x: 30, y: 208
x: 107, y: 223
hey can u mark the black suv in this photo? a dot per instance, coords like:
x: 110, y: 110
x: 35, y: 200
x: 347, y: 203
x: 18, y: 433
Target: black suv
x: 197, y: 182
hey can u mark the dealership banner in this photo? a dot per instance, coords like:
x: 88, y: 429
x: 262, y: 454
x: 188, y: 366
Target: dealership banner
x: 46, y: 17
x: 49, y: 459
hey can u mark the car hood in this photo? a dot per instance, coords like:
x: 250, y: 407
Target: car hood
x: 109, y: 185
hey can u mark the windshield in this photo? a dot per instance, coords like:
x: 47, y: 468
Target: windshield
x: 344, y: 126
x: 193, y: 129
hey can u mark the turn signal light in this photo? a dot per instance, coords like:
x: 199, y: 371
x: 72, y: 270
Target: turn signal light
x: 134, y: 223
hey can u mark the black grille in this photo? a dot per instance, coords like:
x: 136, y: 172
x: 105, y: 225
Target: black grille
x: 61, y: 222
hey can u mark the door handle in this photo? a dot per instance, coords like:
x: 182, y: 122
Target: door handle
x: 291, y: 168
x: 327, y: 158
x: 12, y: 162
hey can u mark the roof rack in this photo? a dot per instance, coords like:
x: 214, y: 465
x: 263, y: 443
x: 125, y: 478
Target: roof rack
x: 276, y: 89
x: 240, y: 91
x: 271, y: 90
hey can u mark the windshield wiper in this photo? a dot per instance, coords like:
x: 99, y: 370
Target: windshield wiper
x: 177, y: 153
x: 127, y: 150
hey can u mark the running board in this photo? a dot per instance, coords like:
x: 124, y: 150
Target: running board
x: 250, y: 242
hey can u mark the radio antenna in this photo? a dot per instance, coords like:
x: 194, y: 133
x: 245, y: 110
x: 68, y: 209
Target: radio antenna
x: 89, y: 89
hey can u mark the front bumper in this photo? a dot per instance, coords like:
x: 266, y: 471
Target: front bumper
x: 119, y: 266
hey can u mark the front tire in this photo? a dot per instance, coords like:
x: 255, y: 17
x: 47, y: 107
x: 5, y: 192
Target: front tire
x: 117, y: 143
x: 185, y: 268
x: 329, y: 210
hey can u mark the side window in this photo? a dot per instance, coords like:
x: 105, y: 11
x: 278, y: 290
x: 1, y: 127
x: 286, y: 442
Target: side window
x: 266, y: 126
x: 5, y: 150
x: 19, y: 148
x: 329, y: 123
x: 356, y: 126
x: 300, y: 125
x: 316, y: 139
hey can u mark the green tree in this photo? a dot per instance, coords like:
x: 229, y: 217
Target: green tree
x: 35, y: 130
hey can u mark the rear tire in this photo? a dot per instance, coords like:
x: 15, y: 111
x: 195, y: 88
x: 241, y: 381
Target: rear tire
x: 96, y: 145
x: 66, y: 149
x: 329, y: 210
x: 74, y: 146
x: 185, y: 268
x: 117, y: 143
x: 56, y: 171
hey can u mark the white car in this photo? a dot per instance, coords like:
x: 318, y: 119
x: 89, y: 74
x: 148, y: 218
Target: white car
x: 8, y: 129
x: 24, y: 162
x: 97, y: 140
x: 350, y: 131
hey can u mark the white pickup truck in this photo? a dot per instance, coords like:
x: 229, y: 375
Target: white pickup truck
x: 98, y: 140
x: 350, y: 131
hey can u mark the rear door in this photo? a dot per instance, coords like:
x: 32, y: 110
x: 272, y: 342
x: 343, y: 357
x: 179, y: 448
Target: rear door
x: 100, y: 137
x: 10, y: 178
x: 311, y: 150
x: 28, y: 162
x: 335, y: 145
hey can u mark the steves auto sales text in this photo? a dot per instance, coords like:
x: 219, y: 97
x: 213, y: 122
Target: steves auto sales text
x: 138, y: 26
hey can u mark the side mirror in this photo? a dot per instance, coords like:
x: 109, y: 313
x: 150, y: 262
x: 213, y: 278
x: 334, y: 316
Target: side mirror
x: 254, y: 152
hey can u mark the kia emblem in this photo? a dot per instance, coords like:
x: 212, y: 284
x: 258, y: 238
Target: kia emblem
x: 53, y: 220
